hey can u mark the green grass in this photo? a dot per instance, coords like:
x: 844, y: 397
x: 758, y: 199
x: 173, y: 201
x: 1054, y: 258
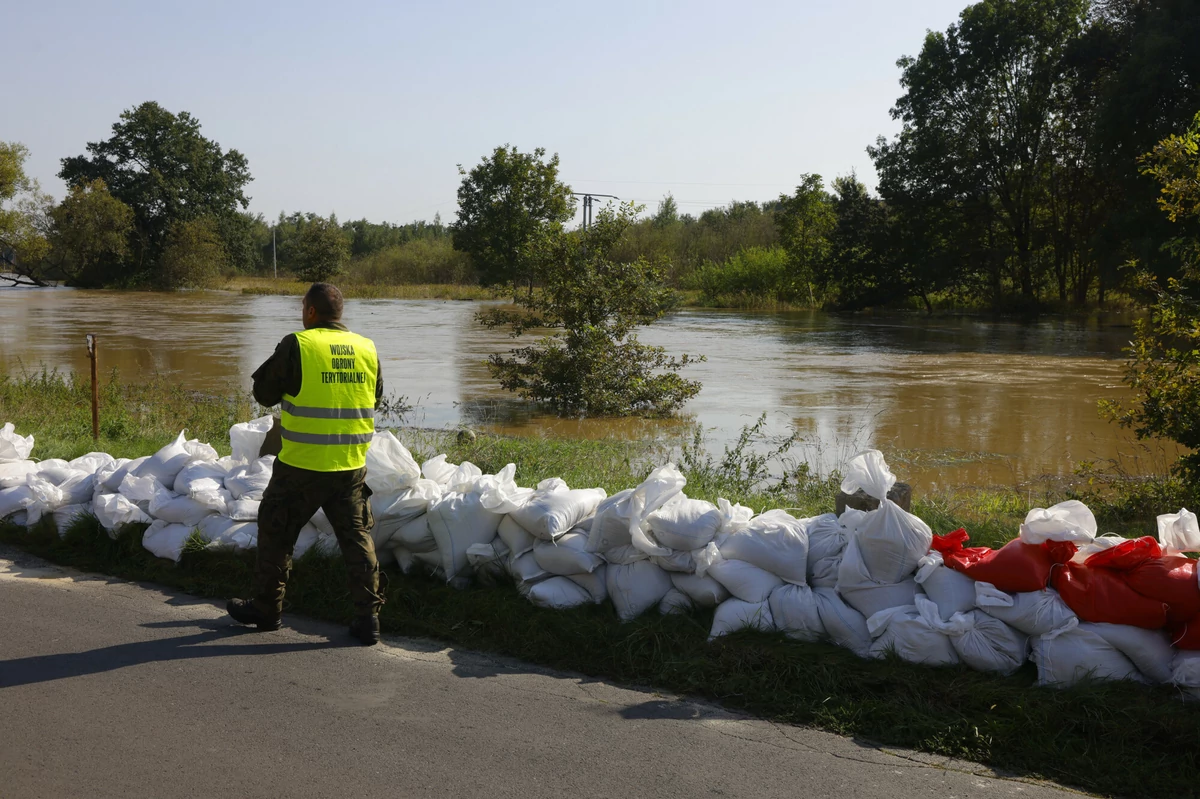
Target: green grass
x: 365, y: 291
x: 1120, y: 739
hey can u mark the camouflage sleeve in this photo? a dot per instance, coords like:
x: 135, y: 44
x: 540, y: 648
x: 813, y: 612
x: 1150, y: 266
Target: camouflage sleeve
x: 279, y: 374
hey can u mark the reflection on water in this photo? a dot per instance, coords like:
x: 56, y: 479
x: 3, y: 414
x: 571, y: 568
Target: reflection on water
x: 973, y: 401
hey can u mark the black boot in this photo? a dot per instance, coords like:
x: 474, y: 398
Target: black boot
x: 366, y: 629
x: 244, y: 611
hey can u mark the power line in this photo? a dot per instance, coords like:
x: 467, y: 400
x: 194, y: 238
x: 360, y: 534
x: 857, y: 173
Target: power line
x: 682, y: 183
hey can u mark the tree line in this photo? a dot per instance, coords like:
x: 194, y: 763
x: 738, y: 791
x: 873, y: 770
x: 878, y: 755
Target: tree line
x: 1013, y: 181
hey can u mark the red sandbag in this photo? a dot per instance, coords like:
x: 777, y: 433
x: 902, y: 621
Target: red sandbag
x: 1172, y: 580
x: 1100, y: 595
x: 1015, y: 567
x: 1186, y: 635
x: 1126, y: 555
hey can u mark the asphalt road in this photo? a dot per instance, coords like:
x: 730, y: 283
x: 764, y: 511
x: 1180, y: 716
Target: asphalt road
x: 110, y: 688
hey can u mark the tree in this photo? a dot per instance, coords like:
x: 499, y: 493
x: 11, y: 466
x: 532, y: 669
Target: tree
x: 595, y: 366
x: 805, y: 221
x: 977, y: 110
x: 506, y: 204
x: 159, y: 164
x: 91, y: 235
x: 23, y: 219
x: 320, y: 250
x: 858, y: 247
x: 1164, y: 365
x: 194, y: 255
x: 667, y: 213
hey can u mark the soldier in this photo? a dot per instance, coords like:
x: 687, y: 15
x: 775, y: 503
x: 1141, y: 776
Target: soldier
x: 327, y: 383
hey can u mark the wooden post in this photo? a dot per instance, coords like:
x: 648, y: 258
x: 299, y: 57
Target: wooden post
x: 91, y: 345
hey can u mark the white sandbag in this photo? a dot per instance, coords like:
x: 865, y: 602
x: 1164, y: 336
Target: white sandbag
x: 250, y: 480
x: 437, y: 470
x: 525, y: 571
x: 415, y: 536
x: 457, y: 521
x: 92, y: 462
x: 866, y: 594
x: 408, y: 503
x: 14, y: 473
x: 170, y: 507
x: 705, y: 592
x: 636, y: 587
x: 78, y: 489
x: 216, y: 501
x: 487, y: 561
x: 624, y: 555
x: 165, y: 464
x: 246, y: 438
x: 1179, y: 531
x: 36, y: 498
x: 743, y: 580
x: 390, y: 466
x: 566, y: 556
x: 1076, y: 655
x: 240, y: 510
x: 735, y: 614
x: 307, y: 539
x: 684, y: 523
x: 985, y: 643
x: 466, y: 477
x: 165, y: 540
x: 952, y: 591
x: 212, y: 528
x: 516, y: 538
x: 1040, y: 613
x: 775, y: 541
x: 198, y: 450
x: 663, y: 485
x: 109, y: 478
x: 64, y: 515
x: 57, y: 471
x: 12, y: 446
x: 327, y: 544
x: 200, y: 476
x: 913, y: 636
x: 890, y: 540
x: 1150, y: 651
x: 224, y: 533
x: 557, y: 593
x: 610, y: 525
x: 140, y: 489
x: 548, y: 514
x: 678, y: 562
x: 321, y: 522
x: 595, y: 583
x: 1185, y: 672
x: 115, y: 510
x: 1066, y: 521
x: 794, y: 609
x: 674, y: 603
x: 733, y: 516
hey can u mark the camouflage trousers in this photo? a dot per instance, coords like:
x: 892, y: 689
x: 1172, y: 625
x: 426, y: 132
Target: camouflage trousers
x: 289, y: 502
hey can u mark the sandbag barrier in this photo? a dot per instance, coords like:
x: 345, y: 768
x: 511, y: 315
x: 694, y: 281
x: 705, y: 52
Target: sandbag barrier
x: 1080, y: 605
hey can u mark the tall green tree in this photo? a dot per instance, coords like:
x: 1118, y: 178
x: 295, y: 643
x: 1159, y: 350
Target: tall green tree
x: 858, y: 247
x: 90, y: 236
x: 593, y: 365
x: 23, y: 219
x: 194, y: 256
x: 160, y: 165
x: 806, y: 219
x: 978, y: 105
x: 320, y: 250
x: 506, y: 204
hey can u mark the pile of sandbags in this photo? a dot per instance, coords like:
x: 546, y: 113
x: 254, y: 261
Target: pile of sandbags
x: 879, y: 583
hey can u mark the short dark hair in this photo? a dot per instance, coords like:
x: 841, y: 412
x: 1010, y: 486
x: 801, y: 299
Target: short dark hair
x: 326, y: 300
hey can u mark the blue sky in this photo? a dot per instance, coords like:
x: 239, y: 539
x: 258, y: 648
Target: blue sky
x: 365, y: 108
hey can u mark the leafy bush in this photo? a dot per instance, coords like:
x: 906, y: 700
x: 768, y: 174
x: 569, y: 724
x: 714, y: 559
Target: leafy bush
x: 416, y: 261
x: 759, y: 272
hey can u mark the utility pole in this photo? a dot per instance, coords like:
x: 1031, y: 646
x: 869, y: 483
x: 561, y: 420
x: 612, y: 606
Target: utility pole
x: 274, y: 261
x: 587, y: 206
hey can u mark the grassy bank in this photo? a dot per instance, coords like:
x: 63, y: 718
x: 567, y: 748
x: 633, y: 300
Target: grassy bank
x: 1118, y: 738
x: 287, y: 286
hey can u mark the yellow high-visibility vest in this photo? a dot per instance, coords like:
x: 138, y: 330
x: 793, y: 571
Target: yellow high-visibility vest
x: 328, y: 426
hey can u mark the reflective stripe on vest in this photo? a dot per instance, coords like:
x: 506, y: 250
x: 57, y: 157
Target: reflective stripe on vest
x: 329, y: 424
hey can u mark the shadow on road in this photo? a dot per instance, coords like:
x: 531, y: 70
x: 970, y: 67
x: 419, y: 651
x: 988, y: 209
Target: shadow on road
x: 47, y: 668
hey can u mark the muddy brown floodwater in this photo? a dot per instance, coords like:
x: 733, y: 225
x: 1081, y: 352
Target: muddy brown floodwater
x: 959, y: 401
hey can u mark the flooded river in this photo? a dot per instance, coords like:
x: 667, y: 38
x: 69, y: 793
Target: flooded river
x: 960, y: 401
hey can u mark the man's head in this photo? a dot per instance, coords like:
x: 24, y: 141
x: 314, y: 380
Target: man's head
x: 322, y: 304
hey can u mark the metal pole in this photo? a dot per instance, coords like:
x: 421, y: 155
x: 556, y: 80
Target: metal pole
x: 274, y: 260
x: 91, y: 345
